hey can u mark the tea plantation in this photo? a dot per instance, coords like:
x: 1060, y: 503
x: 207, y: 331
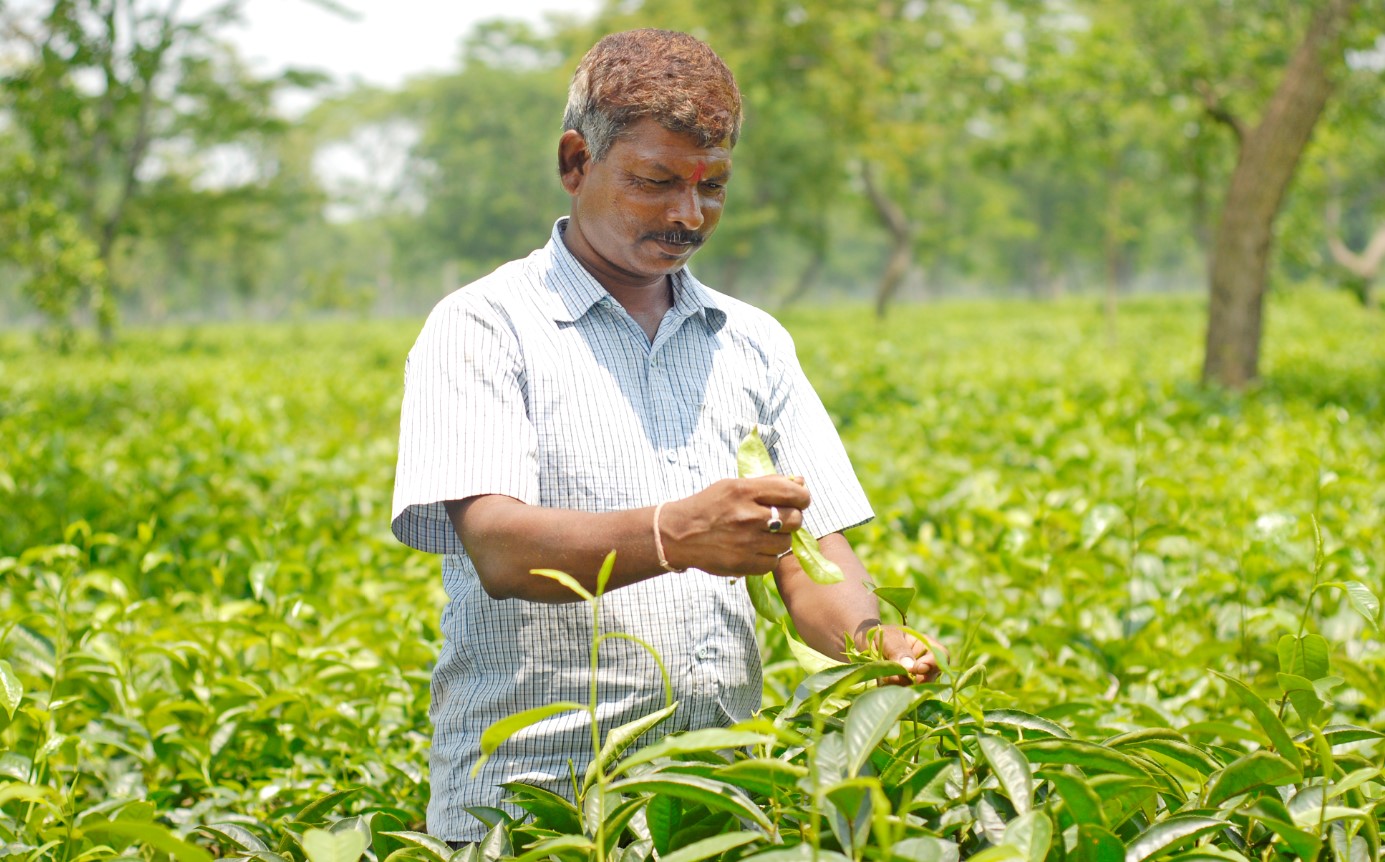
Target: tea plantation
x: 1161, y: 605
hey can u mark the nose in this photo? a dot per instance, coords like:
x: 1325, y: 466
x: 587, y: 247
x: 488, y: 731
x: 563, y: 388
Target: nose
x: 686, y: 208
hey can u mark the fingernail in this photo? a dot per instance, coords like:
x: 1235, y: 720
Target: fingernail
x: 907, y: 663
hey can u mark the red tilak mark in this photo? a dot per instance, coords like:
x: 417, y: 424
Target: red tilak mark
x: 698, y: 172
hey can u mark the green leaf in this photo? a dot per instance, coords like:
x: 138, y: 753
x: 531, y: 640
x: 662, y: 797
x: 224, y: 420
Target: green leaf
x: 566, y: 580
x: 762, y: 775
x: 152, y: 836
x: 899, y: 598
x: 620, y: 738
x: 1308, y: 656
x: 1087, y: 755
x: 662, y: 815
x: 1272, y: 814
x: 316, y: 811
x: 439, y: 849
x: 831, y: 680
x: 1302, y: 695
x: 690, y: 742
x: 709, y: 847
x: 495, y: 735
x: 1032, y: 833
x: 1168, y: 834
x: 1257, y: 769
x: 11, y: 689
x: 1079, y: 798
x: 873, y: 715
x: 1025, y: 722
x: 1096, y: 844
x: 603, y: 577
x: 1011, y: 769
x: 768, y: 605
x: 1341, y: 734
x: 550, y: 810
x: 810, y: 659
x: 1267, y: 719
x: 1168, y: 743
x: 322, y: 846
x: 752, y: 458
x: 717, y: 795
x: 235, y: 835
x: 1362, y: 599
x: 924, y: 848
x: 555, y: 846
x: 810, y: 556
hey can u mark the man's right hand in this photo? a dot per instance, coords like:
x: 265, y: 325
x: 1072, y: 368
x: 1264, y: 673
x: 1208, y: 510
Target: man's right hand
x: 724, y: 529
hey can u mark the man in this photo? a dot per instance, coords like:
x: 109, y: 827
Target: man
x: 591, y: 397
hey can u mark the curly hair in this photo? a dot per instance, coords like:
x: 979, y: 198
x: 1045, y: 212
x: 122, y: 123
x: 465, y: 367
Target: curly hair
x: 673, y: 77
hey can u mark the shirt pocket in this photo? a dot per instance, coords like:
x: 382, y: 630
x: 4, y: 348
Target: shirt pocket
x: 720, y: 432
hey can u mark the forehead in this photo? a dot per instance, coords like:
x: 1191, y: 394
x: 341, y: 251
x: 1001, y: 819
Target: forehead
x: 647, y: 142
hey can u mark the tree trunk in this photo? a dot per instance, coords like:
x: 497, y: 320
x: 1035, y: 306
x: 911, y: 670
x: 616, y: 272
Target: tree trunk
x: 806, y: 279
x: 1363, y: 268
x: 1265, y: 165
x: 901, y: 236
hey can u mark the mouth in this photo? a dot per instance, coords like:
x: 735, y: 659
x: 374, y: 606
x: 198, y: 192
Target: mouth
x: 677, y: 243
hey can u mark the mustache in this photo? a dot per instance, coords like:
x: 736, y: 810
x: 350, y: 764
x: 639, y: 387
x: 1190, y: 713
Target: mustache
x: 678, y: 237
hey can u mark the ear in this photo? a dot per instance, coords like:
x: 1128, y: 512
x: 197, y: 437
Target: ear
x: 573, y: 160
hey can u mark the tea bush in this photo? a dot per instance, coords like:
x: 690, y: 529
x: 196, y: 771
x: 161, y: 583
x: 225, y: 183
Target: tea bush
x: 1161, y: 605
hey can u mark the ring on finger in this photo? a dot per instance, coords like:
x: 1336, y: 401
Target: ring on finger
x: 775, y: 523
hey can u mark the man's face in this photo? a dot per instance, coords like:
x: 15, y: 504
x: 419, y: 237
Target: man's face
x: 641, y: 212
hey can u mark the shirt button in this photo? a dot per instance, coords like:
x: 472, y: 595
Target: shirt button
x: 672, y: 456
x: 701, y: 653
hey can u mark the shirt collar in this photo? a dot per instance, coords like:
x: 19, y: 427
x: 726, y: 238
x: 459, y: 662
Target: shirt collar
x: 577, y: 290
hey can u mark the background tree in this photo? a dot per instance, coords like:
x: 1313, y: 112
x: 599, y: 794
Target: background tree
x: 119, y: 110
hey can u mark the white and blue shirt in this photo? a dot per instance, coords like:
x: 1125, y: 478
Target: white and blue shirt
x: 534, y: 383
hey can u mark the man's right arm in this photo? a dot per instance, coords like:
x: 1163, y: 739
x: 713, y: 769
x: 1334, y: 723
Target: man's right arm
x: 722, y: 530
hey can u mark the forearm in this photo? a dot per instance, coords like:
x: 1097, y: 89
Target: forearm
x: 826, y: 614
x: 507, y: 539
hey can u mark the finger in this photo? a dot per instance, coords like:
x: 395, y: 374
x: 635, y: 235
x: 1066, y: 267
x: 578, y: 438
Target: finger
x: 780, y: 491
x: 789, y: 519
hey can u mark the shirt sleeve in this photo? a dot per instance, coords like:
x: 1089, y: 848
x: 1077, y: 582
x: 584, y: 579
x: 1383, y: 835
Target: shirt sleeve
x: 805, y: 443
x: 464, y: 428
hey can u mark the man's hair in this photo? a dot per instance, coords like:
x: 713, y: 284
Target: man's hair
x: 672, y: 77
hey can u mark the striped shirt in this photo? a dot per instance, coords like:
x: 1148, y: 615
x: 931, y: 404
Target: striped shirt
x: 534, y: 383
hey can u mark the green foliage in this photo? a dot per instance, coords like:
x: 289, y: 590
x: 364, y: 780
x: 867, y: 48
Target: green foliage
x: 209, y: 642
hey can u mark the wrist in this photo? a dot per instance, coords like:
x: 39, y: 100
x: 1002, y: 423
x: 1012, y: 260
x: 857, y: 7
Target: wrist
x: 660, y: 543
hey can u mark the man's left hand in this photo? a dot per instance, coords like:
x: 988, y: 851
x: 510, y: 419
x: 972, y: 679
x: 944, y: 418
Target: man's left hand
x: 897, y: 645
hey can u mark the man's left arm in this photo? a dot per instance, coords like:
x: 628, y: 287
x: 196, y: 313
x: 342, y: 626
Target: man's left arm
x: 826, y: 614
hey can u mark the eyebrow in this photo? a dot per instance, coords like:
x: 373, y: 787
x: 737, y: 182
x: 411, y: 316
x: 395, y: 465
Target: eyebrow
x: 721, y: 174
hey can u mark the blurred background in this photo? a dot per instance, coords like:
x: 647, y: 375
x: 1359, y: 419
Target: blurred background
x: 165, y: 160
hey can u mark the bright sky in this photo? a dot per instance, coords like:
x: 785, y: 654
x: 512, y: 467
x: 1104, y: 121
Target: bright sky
x: 389, y: 41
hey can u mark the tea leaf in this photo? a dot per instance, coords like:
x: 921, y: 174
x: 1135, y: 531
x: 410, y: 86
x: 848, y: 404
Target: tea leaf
x: 1087, y: 755
x: 870, y: 719
x: 1257, y: 769
x: 766, y: 604
x: 716, y: 795
x: 153, y: 836
x: 11, y: 689
x: 620, y: 738
x: 566, y: 580
x: 693, y: 742
x: 1096, y: 844
x: 1011, y: 769
x: 1168, y: 834
x: 1308, y: 656
x: 316, y: 811
x: 899, y: 598
x: 810, y: 556
x: 752, y: 457
x: 1081, y: 801
x: 495, y: 735
x: 1032, y: 833
x: 709, y: 847
x: 554, y: 847
x: 1302, y: 695
x: 1362, y: 599
x: 437, y: 848
x: 322, y: 846
x: 1267, y: 719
